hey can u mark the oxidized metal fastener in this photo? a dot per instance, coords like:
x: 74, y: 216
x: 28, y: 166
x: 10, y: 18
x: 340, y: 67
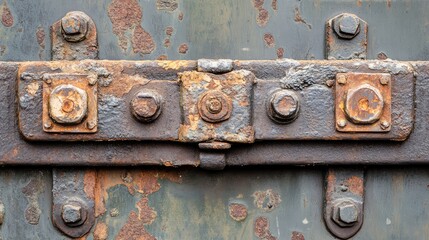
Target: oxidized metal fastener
x: 74, y: 26
x: 68, y: 104
x: 146, y: 105
x: 283, y: 106
x: 214, y: 106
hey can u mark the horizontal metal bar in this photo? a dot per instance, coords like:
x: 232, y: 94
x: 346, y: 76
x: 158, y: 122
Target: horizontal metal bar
x: 311, y: 79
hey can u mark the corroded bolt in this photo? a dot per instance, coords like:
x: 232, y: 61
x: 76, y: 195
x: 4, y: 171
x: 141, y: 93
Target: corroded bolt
x: 68, y: 104
x: 74, y: 26
x: 283, y: 106
x: 146, y: 105
x: 71, y: 213
x: 345, y: 213
x: 384, y: 125
x: 384, y: 80
x: 214, y: 106
x: 347, y: 25
x: 364, y: 104
x: 341, y: 79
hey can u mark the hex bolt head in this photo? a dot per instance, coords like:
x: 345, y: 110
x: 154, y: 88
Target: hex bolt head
x: 283, y: 106
x: 74, y: 26
x: 345, y: 213
x: 71, y: 213
x: 68, y: 104
x: 146, y: 105
x: 214, y: 106
x: 347, y: 25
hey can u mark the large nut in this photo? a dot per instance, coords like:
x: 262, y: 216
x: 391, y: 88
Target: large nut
x: 214, y: 106
x: 68, y: 104
x: 345, y: 213
x: 74, y: 26
x: 71, y: 213
x: 364, y: 104
x: 347, y: 25
x: 283, y: 106
x: 146, y: 105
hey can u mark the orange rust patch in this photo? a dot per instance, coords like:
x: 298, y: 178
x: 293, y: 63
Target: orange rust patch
x: 6, y: 17
x: 266, y: 200
x: 169, y: 30
x: 263, y: 16
x: 89, y: 181
x: 330, y: 186
x: 297, y: 236
x: 269, y: 39
x: 359, y: 3
x: 355, y: 185
x: 134, y: 229
x: 280, y: 52
x: 162, y: 58
x: 167, y: 42
x: 262, y: 229
x: 183, y: 48
x: 237, y: 211
x: 142, y: 41
x: 101, y: 231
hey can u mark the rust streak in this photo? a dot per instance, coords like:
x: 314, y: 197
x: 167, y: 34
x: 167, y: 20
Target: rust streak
x: 299, y: 18
x: 269, y: 40
x: 32, y: 191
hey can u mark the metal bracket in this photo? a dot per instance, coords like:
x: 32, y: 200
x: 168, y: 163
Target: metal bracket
x: 344, y: 199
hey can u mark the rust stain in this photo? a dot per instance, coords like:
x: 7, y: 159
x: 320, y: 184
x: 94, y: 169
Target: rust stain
x: 280, y: 52
x: 263, y: 15
x: 167, y: 5
x: 355, y: 185
x: 237, y: 211
x: 125, y: 16
x: 40, y: 36
x: 167, y: 42
x: 274, y: 5
x: 183, y: 48
x: 297, y: 236
x: 269, y: 40
x: 134, y: 229
x: 389, y: 3
x: 330, y: 184
x: 142, y: 41
x: 180, y: 17
x: 262, y: 229
x: 6, y: 17
x: 359, y: 3
x: 169, y: 31
x: 266, y: 200
x: 101, y: 231
x: 174, y: 65
x: 162, y: 58
x: 299, y: 18
x: 89, y: 181
x: 32, y: 191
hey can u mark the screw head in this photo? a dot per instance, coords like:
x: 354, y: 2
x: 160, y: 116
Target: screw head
x: 214, y: 106
x: 71, y: 213
x: 384, y: 125
x: 146, y: 105
x: 68, y: 104
x: 283, y: 106
x: 74, y: 26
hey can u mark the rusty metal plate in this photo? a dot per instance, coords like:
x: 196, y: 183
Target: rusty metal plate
x: 69, y: 103
x: 363, y: 102
x: 216, y: 107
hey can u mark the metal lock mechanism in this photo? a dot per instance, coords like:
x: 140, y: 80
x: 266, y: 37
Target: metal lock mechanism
x: 363, y: 102
x: 69, y: 103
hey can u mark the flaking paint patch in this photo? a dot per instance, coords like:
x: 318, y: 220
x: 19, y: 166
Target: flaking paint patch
x: 280, y: 52
x: 297, y: 236
x: 183, y: 48
x: 167, y: 5
x: 266, y: 200
x: 263, y: 16
x: 269, y: 40
x: 40, y: 36
x: 355, y: 185
x: 32, y: 191
x: 32, y: 88
x: 126, y: 16
x: 261, y: 229
x: 237, y: 211
x: 6, y: 16
x: 101, y: 231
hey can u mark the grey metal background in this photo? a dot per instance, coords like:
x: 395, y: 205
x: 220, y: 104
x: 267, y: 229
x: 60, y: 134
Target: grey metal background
x: 396, y: 201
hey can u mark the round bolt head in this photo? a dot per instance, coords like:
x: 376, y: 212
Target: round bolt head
x: 146, y: 105
x: 283, y: 106
x: 349, y: 24
x: 214, y: 106
x: 71, y: 213
x: 341, y: 123
x: 68, y: 104
x: 74, y: 26
x: 348, y: 213
x: 364, y: 104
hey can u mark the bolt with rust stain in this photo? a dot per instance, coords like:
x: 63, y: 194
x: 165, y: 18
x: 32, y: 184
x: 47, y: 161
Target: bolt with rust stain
x: 68, y: 104
x: 214, y: 106
x: 364, y: 104
x: 345, y: 213
x: 74, y: 26
x: 347, y: 26
x: 71, y: 213
x: 146, y: 105
x: 283, y: 106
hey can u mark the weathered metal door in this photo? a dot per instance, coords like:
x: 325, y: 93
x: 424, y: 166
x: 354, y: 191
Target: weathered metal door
x: 129, y: 119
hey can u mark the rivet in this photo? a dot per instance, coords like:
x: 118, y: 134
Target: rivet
x: 342, y: 79
x: 384, y: 125
x: 384, y: 80
x: 341, y: 123
x: 47, y: 125
x: 91, y: 125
